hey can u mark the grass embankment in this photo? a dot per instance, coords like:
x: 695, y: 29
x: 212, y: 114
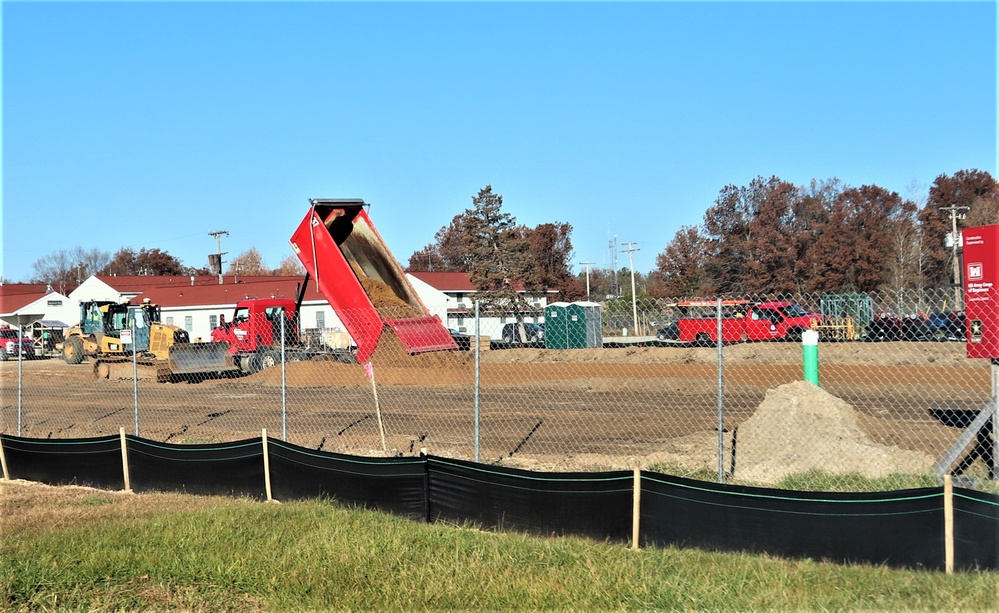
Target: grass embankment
x: 76, y: 548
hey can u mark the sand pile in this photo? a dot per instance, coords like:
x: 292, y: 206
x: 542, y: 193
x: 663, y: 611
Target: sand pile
x: 800, y: 427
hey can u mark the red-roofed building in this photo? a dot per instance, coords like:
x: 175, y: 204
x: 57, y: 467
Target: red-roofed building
x: 196, y: 303
x: 36, y: 307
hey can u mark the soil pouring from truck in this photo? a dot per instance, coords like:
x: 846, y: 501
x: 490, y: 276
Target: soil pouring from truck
x: 255, y: 334
x: 742, y: 320
x: 354, y: 269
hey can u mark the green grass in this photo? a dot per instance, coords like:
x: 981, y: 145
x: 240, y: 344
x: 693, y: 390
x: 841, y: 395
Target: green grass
x: 221, y: 554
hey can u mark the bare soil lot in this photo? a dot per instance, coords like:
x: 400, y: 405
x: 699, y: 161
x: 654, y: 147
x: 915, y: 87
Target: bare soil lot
x: 590, y: 408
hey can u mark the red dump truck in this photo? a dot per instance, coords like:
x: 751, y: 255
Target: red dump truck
x: 259, y: 327
x: 354, y: 270
x: 741, y: 320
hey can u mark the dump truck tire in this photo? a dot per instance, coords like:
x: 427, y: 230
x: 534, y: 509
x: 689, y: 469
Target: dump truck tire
x: 267, y: 358
x: 72, y: 350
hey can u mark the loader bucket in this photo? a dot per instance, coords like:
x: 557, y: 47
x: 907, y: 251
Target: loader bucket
x: 200, y: 357
x: 354, y: 269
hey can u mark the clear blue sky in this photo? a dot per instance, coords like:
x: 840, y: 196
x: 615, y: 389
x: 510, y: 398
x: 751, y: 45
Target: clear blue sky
x: 153, y: 124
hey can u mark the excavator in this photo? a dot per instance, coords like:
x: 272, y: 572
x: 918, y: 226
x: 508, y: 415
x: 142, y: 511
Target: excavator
x: 353, y: 268
x: 111, y: 333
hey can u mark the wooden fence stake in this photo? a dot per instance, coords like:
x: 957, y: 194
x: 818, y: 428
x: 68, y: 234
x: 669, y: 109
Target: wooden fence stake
x: 948, y: 525
x: 267, y: 467
x: 124, y: 460
x: 3, y: 462
x: 636, y: 511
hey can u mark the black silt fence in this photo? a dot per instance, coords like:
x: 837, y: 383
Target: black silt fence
x: 976, y: 530
x: 92, y: 462
x: 899, y: 529
x: 217, y: 469
x: 596, y: 505
x: 394, y: 485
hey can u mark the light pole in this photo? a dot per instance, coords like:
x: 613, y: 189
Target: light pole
x: 954, y: 211
x: 634, y: 304
x: 587, y: 264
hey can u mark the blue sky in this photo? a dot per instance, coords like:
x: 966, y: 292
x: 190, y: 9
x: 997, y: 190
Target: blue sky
x: 153, y: 124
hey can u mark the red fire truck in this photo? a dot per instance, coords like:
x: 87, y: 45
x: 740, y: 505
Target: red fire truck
x: 742, y: 320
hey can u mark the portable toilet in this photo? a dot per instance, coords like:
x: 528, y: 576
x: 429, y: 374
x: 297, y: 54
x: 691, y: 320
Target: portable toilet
x: 573, y: 325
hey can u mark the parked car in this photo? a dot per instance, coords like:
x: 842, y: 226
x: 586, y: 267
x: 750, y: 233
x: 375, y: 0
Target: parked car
x: 464, y: 341
x: 535, y: 333
x: 951, y: 324
x: 12, y: 344
x: 888, y: 327
x: 669, y: 333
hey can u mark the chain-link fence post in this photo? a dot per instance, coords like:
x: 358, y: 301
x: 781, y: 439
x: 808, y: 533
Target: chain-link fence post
x: 721, y: 396
x: 284, y: 383
x: 135, y: 377
x: 478, y: 338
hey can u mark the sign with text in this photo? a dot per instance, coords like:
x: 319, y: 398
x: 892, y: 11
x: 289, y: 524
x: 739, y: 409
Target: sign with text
x: 981, y: 298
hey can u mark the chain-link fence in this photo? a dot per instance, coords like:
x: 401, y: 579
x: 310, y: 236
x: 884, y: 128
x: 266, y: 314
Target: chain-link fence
x: 575, y: 386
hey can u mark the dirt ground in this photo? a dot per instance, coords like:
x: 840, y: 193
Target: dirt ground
x: 579, y: 409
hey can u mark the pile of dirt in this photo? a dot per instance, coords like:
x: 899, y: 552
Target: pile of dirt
x: 799, y: 427
x: 391, y: 352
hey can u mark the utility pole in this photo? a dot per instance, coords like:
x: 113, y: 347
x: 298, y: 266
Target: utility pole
x: 613, y: 250
x: 219, y: 253
x: 634, y: 304
x: 955, y: 213
x: 587, y: 264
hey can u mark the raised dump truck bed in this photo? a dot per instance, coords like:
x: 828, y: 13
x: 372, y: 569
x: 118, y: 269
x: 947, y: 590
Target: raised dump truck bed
x: 354, y: 269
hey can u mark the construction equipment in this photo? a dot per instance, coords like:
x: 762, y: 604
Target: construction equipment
x: 111, y: 333
x: 260, y: 327
x: 354, y: 269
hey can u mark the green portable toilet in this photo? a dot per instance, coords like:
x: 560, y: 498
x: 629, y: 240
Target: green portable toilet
x: 573, y: 325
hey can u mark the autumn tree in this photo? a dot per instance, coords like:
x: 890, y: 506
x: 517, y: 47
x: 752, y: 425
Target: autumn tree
x: 549, y: 246
x: 146, y: 262
x: 68, y: 267
x: 748, y: 245
x: 248, y: 264
x: 448, y: 253
x: 974, y: 193
x: 290, y: 266
x: 679, y: 268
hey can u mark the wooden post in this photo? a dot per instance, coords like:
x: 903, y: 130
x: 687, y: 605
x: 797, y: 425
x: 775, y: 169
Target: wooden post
x: 636, y: 510
x: 370, y: 371
x: 267, y: 467
x: 3, y: 462
x: 948, y: 525
x: 124, y: 459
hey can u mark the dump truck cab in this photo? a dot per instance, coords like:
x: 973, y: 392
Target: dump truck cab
x: 256, y: 323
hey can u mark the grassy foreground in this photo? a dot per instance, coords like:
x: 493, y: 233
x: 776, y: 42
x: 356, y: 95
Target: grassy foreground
x: 77, y: 548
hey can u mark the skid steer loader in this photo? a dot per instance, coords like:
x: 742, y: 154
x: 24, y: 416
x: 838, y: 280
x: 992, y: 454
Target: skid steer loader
x: 111, y: 333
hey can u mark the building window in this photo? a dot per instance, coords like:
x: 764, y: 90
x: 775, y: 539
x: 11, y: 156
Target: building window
x: 169, y: 320
x: 461, y: 321
x: 189, y: 323
x: 320, y: 319
x: 213, y: 321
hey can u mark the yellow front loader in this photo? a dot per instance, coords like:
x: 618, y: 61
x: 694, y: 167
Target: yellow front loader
x: 111, y: 333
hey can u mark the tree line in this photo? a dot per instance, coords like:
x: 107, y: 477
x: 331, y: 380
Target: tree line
x: 771, y: 237
x: 67, y: 268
